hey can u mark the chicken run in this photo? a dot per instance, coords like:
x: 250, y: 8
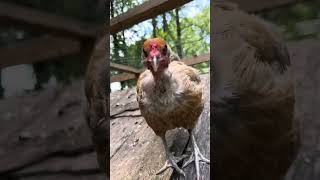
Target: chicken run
x: 265, y: 114
x: 255, y: 133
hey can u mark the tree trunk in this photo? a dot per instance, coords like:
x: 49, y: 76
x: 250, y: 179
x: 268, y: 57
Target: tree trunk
x: 165, y: 23
x: 178, y: 44
x: 154, y: 25
x: 115, y: 38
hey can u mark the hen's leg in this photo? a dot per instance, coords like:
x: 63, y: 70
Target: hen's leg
x: 196, y: 155
x: 171, y: 161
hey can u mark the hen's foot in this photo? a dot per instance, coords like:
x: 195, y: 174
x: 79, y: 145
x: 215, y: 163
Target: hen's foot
x: 171, y: 162
x: 196, y: 156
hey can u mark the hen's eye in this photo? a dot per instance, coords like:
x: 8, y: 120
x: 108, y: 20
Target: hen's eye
x: 145, y: 53
x: 165, y: 49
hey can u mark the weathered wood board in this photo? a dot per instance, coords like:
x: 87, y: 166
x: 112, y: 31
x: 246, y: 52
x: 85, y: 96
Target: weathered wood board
x: 136, y: 152
x: 43, y: 135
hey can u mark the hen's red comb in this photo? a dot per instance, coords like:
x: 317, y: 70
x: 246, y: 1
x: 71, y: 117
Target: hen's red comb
x: 154, y: 44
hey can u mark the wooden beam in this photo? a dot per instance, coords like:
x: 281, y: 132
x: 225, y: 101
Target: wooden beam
x: 260, y: 5
x: 11, y: 14
x: 133, y: 75
x: 124, y: 68
x: 197, y: 59
x: 143, y: 12
x: 35, y: 50
x: 153, y: 8
x: 122, y: 77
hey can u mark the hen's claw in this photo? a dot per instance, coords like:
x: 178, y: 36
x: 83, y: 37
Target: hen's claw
x: 172, y: 163
x: 164, y: 167
x: 171, y: 160
x: 196, y: 156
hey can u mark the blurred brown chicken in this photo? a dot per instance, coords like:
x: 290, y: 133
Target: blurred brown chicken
x: 255, y: 134
x: 169, y: 94
x: 97, y: 110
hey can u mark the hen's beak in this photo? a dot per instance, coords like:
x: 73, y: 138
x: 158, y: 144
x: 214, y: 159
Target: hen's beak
x: 155, y: 63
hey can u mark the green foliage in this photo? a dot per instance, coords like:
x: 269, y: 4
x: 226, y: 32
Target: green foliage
x: 194, y: 32
x: 195, y: 38
x: 134, y: 51
x: 289, y: 16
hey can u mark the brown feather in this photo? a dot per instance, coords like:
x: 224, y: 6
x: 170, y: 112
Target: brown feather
x: 174, y: 101
x: 159, y: 41
x: 256, y: 136
x: 97, y: 109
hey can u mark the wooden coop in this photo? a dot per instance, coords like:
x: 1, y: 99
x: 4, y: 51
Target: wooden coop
x: 48, y: 138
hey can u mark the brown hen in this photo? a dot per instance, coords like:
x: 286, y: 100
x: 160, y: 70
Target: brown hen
x: 97, y: 110
x: 255, y: 135
x: 169, y: 94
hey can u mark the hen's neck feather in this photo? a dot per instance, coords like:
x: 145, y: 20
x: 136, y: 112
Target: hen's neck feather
x: 163, y: 81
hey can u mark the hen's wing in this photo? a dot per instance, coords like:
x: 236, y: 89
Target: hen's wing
x: 139, y: 87
x: 189, y: 82
x: 97, y: 102
x: 253, y: 98
x: 247, y: 54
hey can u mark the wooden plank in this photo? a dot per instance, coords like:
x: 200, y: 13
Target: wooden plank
x: 44, y: 21
x: 197, y: 59
x: 124, y: 68
x: 259, y: 5
x: 63, y: 143
x: 145, y: 11
x: 128, y: 76
x: 62, y: 164
x: 36, y: 50
x: 153, y: 8
x: 123, y: 77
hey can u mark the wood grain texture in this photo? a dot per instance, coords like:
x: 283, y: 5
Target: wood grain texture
x: 47, y: 136
x: 124, y: 68
x: 122, y: 77
x: 145, y: 11
x: 47, y: 22
x: 38, y: 49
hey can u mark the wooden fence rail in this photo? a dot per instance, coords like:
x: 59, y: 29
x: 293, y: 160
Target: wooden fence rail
x: 133, y: 73
x: 145, y: 11
x: 36, y: 50
x: 41, y: 21
x: 62, y: 27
